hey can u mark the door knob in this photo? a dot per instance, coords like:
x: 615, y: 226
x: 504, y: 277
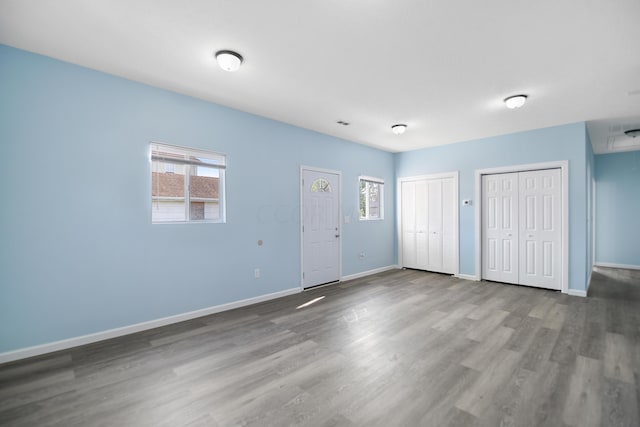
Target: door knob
x: 337, y: 235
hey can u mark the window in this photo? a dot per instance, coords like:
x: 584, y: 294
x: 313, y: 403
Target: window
x: 371, y: 198
x: 187, y: 185
x: 321, y: 185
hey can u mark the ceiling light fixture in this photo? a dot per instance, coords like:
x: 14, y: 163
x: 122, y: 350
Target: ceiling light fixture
x: 398, y: 129
x: 229, y: 60
x: 515, y: 101
x: 632, y: 132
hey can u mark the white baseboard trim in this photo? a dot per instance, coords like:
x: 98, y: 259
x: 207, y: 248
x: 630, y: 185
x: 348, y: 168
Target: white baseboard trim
x: 369, y: 272
x: 614, y: 265
x: 467, y: 277
x: 577, y: 293
x: 37, y: 350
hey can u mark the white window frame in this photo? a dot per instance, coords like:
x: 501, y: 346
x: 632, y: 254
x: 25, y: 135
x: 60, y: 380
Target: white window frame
x: 371, y: 179
x: 191, y: 161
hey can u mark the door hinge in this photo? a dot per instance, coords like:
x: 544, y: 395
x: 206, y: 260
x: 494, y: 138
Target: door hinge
x: 303, y: 274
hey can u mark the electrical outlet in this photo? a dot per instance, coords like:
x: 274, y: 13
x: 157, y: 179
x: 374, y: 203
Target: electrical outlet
x: 362, y: 255
x: 256, y: 273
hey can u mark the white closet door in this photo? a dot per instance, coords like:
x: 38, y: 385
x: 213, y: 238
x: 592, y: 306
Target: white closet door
x: 540, y: 228
x: 500, y: 227
x: 448, y: 226
x: 414, y: 224
x: 428, y: 224
x: 434, y: 224
x: 422, y: 241
x: 408, y: 203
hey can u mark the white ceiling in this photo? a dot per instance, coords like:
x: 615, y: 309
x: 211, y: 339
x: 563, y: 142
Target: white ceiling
x: 442, y: 67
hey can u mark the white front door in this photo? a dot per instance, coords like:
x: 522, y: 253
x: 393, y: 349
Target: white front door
x: 500, y: 227
x: 540, y: 228
x: 320, y: 227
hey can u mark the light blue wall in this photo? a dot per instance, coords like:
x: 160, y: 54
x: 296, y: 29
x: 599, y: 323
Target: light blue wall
x: 542, y: 145
x: 618, y: 208
x: 78, y: 253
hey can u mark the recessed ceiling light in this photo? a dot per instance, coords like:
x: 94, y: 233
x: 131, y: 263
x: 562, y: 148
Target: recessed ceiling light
x: 229, y: 60
x: 398, y: 129
x: 515, y: 101
x: 633, y: 133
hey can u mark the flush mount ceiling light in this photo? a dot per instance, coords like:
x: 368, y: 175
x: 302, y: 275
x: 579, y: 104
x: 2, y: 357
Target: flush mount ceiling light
x: 229, y: 60
x: 515, y: 101
x: 398, y: 129
x: 632, y: 132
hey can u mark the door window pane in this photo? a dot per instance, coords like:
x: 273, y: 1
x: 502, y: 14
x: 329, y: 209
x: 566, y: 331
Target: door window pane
x: 320, y: 185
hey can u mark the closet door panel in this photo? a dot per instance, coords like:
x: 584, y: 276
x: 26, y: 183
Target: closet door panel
x: 540, y: 228
x: 448, y: 226
x: 434, y: 220
x: 422, y: 225
x: 408, y: 226
x: 500, y: 227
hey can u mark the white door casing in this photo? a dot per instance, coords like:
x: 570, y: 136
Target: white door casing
x: 321, y: 233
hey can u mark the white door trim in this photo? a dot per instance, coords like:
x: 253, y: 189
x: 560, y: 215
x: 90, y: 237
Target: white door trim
x: 335, y: 172
x: 456, y: 221
x: 593, y: 227
x: 564, y: 172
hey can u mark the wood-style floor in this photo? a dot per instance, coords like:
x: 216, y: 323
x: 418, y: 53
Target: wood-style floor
x: 402, y: 348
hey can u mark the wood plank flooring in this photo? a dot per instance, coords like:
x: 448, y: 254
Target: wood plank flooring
x: 401, y: 348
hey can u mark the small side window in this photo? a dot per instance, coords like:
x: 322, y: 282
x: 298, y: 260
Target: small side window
x: 371, y: 198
